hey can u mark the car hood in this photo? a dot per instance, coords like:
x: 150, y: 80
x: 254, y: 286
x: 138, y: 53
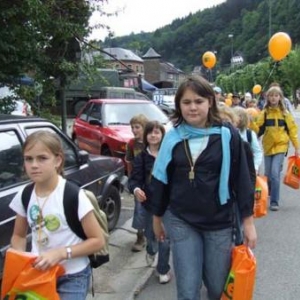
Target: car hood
x: 122, y: 131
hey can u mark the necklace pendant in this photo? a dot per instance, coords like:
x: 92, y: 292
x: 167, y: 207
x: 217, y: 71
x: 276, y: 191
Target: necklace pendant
x: 191, y: 175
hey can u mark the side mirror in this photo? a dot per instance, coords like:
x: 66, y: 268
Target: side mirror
x: 95, y: 122
x: 83, y: 157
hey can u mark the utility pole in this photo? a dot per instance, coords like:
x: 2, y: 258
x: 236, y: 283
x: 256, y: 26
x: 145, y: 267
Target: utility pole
x: 270, y: 18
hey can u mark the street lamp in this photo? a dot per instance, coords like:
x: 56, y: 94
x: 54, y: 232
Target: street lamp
x: 231, y: 37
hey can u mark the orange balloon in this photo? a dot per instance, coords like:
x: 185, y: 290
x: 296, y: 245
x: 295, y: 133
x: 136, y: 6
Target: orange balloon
x: 280, y: 45
x: 209, y: 59
x: 256, y: 89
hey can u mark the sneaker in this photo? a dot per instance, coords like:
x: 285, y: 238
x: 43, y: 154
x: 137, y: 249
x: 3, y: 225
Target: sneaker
x: 164, y: 278
x: 274, y: 207
x: 150, y: 259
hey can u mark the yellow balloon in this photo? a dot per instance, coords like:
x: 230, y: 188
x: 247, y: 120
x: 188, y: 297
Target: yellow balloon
x: 280, y: 45
x: 256, y: 89
x: 209, y: 59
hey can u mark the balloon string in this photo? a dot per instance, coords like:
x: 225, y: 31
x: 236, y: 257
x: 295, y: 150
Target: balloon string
x: 274, y: 66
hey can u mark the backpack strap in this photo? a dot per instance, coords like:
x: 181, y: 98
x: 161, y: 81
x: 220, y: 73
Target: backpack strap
x: 249, y: 136
x: 26, y: 195
x: 70, y: 203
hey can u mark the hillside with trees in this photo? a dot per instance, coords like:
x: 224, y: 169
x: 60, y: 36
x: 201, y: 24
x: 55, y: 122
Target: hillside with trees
x: 251, y: 23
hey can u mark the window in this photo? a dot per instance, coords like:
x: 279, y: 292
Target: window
x: 70, y: 153
x: 95, y: 112
x: 83, y: 116
x: 11, y: 159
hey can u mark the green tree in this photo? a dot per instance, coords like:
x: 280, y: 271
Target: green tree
x: 43, y: 38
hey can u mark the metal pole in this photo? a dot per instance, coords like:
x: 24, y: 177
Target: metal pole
x: 270, y: 18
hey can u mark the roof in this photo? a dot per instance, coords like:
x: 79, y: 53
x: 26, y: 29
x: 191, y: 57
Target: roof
x: 169, y: 68
x: 121, y: 54
x: 151, y: 53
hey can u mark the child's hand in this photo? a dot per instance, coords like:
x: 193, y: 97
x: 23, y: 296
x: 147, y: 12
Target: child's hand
x: 49, y: 259
x: 140, y: 195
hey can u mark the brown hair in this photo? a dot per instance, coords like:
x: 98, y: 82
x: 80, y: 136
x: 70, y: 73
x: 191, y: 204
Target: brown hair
x: 50, y: 140
x: 139, y: 119
x: 150, y: 126
x: 200, y: 86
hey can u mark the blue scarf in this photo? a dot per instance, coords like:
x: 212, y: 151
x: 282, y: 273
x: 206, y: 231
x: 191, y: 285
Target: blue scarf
x: 182, y: 132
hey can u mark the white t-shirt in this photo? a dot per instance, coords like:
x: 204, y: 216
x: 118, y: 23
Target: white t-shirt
x: 54, y: 231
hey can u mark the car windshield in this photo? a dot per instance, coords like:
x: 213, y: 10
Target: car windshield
x: 121, y: 113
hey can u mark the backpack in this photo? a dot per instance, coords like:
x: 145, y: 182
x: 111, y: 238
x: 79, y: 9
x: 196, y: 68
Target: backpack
x: 70, y: 202
x: 262, y: 128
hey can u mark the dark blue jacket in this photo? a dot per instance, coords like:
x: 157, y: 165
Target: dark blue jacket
x: 140, y: 176
x: 197, y: 201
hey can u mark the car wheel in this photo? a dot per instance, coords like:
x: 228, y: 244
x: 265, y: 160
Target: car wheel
x: 111, y: 205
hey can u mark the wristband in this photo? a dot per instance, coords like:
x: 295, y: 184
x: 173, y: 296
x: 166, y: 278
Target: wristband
x: 69, y: 252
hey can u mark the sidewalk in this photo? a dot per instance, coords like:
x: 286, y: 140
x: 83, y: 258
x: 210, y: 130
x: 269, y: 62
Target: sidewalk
x: 126, y: 273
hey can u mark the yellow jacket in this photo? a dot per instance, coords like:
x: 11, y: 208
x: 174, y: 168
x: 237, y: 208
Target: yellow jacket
x: 277, y: 129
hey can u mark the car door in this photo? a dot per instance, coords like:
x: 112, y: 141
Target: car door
x: 89, y: 130
x: 12, y: 178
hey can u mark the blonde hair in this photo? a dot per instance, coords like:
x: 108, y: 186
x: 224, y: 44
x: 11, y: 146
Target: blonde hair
x: 51, y: 141
x: 272, y: 90
x: 227, y: 114
x: 139, y: 119
x: 243, y: 116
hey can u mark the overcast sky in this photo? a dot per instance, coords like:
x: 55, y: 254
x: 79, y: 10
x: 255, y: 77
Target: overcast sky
x: 140, y: 15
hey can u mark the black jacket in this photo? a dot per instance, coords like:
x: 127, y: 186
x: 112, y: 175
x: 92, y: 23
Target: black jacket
x: 140, y: 176
x: 197, y: 201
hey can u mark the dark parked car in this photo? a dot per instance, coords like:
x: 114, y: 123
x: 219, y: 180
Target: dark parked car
x: 100, y: 174
x: 103, y: 125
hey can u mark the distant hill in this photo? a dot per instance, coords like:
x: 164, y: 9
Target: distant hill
x: 251, y: 22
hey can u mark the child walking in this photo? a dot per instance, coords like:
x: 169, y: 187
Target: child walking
x: 139, y: 182
x: 53, y: 241
x: 249, y: 135
x: 278, y: 127
x: 133, y: 148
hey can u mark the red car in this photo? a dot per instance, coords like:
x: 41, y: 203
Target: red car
x: 102, y: 126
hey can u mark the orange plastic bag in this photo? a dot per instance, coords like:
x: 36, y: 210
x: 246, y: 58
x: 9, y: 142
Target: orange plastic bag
x: 292, y: 175
x: 21, y: 280
x: 241, y: 279
x: 261, y: 196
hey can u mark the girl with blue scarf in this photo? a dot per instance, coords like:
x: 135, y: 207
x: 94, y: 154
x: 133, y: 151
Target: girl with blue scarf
x: 193, y: 189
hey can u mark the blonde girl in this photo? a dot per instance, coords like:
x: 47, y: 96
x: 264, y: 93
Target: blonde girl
x: 242, y: 125
x: 278, y: 127
x: 53, y: 242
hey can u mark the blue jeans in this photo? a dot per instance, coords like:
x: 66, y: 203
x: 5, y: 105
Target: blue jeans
x: 273, y: 167
x: 153, y: 246
x: 138, y: 220
x: 74, y: 286
x: 199, y: 256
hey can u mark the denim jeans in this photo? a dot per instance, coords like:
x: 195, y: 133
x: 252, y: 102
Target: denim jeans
x: 74, y: 286
x: 199, y: 256
x: 138, y: 220
x: 153, y: 246
x: 273, y: 167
